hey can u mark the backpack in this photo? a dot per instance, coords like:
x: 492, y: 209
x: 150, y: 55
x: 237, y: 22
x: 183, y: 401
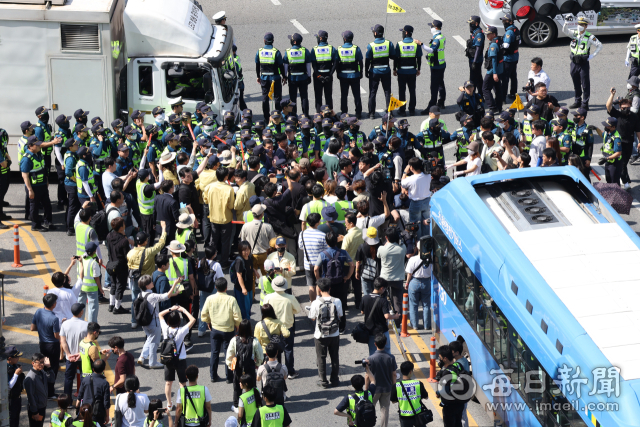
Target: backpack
x: 463, y: 394
x: 365, y: 411
x: 141, y: 310
x: 207, y: 278
x: 99, y: 222
x: 328, y: 320
x: 244, y: 356
x: 169, y: 353
x: 275, y: 379
x: 334, y: 269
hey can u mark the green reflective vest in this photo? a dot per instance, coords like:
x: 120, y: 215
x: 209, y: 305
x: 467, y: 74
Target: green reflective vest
x: 581, y: 48
x: 564, y: 140
x: 408, y: 52
x: 82, y: 236
x: 47, y: 137
x: 37, y: 174
x: 265, y: 288
x: 607, y: 147
x: 250, y: 406
x: 633, y: 47
x: 412, y: 388
x: 267, y: 58
x: 580, y: 140
x: 323, y: 58
x: 98, y: 162
x: 88, y: 281
x: 236, y: 58
x: 461, y: 143
x: 272, y: 417
x: 134, y: 152
x: 58, y: 419
x: 315, y: 206
x: 85, y: 360
x: 247, y: 216
x: 91, y: 181
x: 197, y: 393
x: 64, y: 162
x: 351, y: 410
x: 527, y: 131
x: 184, y: 236
x: 183, y: 269
x: 359, y: 137
x: 348, y: 59
x: 340, y: 206
x: 296, y: 58
x: 381, y: 53
x: 146, y: 204
x: 431, y: 57
x: 22, y: 147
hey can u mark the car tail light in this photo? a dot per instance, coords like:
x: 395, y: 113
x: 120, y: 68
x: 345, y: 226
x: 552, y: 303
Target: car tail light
x: 496, y: 4
x: 523, y: 9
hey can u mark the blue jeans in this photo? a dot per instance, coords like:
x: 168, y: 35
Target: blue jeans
x: 244, y: 301
x: 90, y: 299
x: 372, y: 345
x: 219, y: 342
x: 70, y: 376
x: 420, y: 294
x: 419, y: 211
x: 135, y: 292
x: 367, y: 287
x: 150, y: 347
x: 202, y: 326
x: 107, y: 280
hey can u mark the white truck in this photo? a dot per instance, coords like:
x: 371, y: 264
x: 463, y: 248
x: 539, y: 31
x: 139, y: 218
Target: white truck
x: 110, y: 57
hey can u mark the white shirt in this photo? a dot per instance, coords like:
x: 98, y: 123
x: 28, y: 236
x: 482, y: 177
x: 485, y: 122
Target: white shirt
x: 66, y: 298
x: 538, y: 144
x: 314, y: 312
x: 422, y: 272
x: 365, y: 222
x: 133, y: 417
x: 470, y: 162
x: 107, y: 179
x: 178, y: 336
x: 538, y: 77
x: 152, y: 302
x: 417, y: 186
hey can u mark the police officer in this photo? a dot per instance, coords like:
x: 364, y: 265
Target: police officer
x: 565, y: 142
x: 526, y: 129
x: 27, y: 130
x: 44, y: 133
x: 70, y: 160
x: 324, y: 59
x: 471, y: 102
x: 177, y: 106
x: 85, y: 178
x: 350, y: 68
x: 356, y: 136
x: 230, y: 122
x: 432, y: 140
x: 611, y: 150
x: 297, y: 68
x: 236, y: 59
x: 34, y: 174
x: 15, y: 376
x: 138, y: 125
x: 462, y: 136
x: 406, y: 65
x: 633, y: 53
x: 116, y: 137
x: 474, y: 50
x: 81, y: 117
x: 5, y: 179
x: 196, y: 118
x: 385, y: 129
x: 494, y: 63
x: 409, y: 394
x: 270, y: 69
x: 124, y: 164
x: 407, y: 139
x: 63, y: 133
x: 100, y: 150
x: 582, y: 136
x: 131, y: 142
x: 271, y: 414
x: 437, y: 65
x: 452, y: 408
x: 507, y: 124
x: 309, y: 139
x: 376, y: 67
x: 581, y: 54
x: 510, y: 43
x: 175, y: 123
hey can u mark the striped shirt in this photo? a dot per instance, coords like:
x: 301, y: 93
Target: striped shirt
x: 314, y: 242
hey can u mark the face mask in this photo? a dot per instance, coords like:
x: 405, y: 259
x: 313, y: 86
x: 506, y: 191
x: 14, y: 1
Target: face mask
x: 582, y: 28
x: 305, y: 131
x: 503, y: 125
x: 435, y: 132
x: 176, y: 127
x: 469, y: 125
x: 207, y: 128
x: 472, y: 27
x: 624, y: 110
x: 404, y: 131
x: 434, y: 31
x: 82, y: 120
x: 506, y: 24
x: 281, y: 250
x: 327, y: 132
x: 45, y: 118
x: 229, y: 122
x: 529, y: 117
x: 629, y: 86
x: 160, y: 118
x: 64, y: 126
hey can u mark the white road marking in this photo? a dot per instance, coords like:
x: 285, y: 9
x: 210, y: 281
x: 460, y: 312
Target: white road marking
x: 299, y: 26
x: 417, y: 357
x: 432, y: 13
x: 460, y: 40
x: 276, y: 2
x: 362, y: 90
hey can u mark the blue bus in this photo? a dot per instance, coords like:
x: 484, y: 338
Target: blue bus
x: 538, y: 274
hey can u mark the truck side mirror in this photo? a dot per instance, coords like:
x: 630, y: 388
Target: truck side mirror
x: 208, y: 97
x: 207, y: 82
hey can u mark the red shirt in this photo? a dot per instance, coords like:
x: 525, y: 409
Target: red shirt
x: 125, y: 366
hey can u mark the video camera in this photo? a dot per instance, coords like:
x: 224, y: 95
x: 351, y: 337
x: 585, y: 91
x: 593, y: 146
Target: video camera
x: 362, y: 362
x: 412, y: 228
x: 430, y: 163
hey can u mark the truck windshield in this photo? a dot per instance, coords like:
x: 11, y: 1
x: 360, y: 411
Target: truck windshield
x: 189, y: 85
x: 227, y: 76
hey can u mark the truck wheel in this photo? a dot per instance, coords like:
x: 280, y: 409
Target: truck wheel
x: 540, y: 32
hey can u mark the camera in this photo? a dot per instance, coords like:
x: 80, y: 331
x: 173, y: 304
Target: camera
x: 362, y: 362
x: 430, y: 164
x: 412, y: 228
x: 529, y: 87
x: 76, y: 257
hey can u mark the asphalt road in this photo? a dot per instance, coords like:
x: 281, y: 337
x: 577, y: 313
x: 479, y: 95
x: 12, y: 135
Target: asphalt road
x: 44, y: 253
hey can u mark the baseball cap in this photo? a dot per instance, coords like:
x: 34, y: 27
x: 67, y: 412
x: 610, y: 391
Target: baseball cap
x: 213, y: 160
x: 337, y: 126
x: 12, y: 351
x: 465, y: 117
x: 580, y: 112
x: 504, y: 116
x: 82, y: 151
x: 611, y: 121
x: 492, y: 29
x: 469, y: 83
x: 322, y: 34
x: 41, y: 110
x: 80, y: 113
x: 268, y: 37
x: 533, y: 109
x: 33, y: 139
x: 434, y: 109
x: 137, y: 114
x: 174, y: 118
x: 69, y: 142
x: 474, y: 18
x: 160, y: 110
x: 258, y: 209
x: 560, y: 122
x: 90, y: 247
x: 407, y: 28
x: 247, y: 113
x: 123, y: 147
x: 507, y: 17
x: 281, y: 241
x: 295, y: 37
x: 377, y: 28
x: 143, y: 173
x: 347, y: 34
x: 327, y: 123
x: 436, y: 23
x: 62, y: 119
x: 26, y: 125
x: 117, y: 123
x: 388, y: 117
x: 402, y: 123
x: 128, y: 130
x: 269, y: 265
x: 353, y: 121
x: 80, y: 127
x: 255, y: 199
x: 97, y: 128
x: 77, y: 308
x: 434, y: 123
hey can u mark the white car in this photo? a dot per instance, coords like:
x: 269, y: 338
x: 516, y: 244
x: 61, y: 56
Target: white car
x: 616, y: 17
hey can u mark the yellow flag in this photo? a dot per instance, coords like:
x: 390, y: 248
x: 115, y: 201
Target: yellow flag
x: 394, y: 103
x: 517, y: 103
x: 394, y: 8
x: 272, y: 89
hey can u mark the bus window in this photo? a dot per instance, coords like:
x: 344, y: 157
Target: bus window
x: 462, y: 287
x: 441, y: 257
x: 500, y: 337
x: 188, y: 84
x: 145, y: 82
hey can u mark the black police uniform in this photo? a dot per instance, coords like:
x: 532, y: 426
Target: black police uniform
x: 64, y: 134
x: 269, y: 69
x: 324, y: 62
x: 511, y: 56
x: 472, y: 105
x: 474, y: 50
x: 15, y: 399
x: 5, y: 177
x: 406, y: 65
x: 377, y: 69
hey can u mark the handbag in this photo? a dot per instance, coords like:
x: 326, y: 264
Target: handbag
x: 275, y: 339
x: 112, y: 267
x: 362, y: 331
x: 425, y: 416
x: 135, y: 274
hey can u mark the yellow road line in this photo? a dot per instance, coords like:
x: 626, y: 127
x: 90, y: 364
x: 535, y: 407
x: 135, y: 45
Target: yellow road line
x: 38, y: 260
x: 28, y: 361
x: 424, y: 350
x: 20, y: 330
x: 20, y: 274
x: 24, y: 301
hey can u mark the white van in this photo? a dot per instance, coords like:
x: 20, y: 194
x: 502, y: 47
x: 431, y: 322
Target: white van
x: 616, y: 17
